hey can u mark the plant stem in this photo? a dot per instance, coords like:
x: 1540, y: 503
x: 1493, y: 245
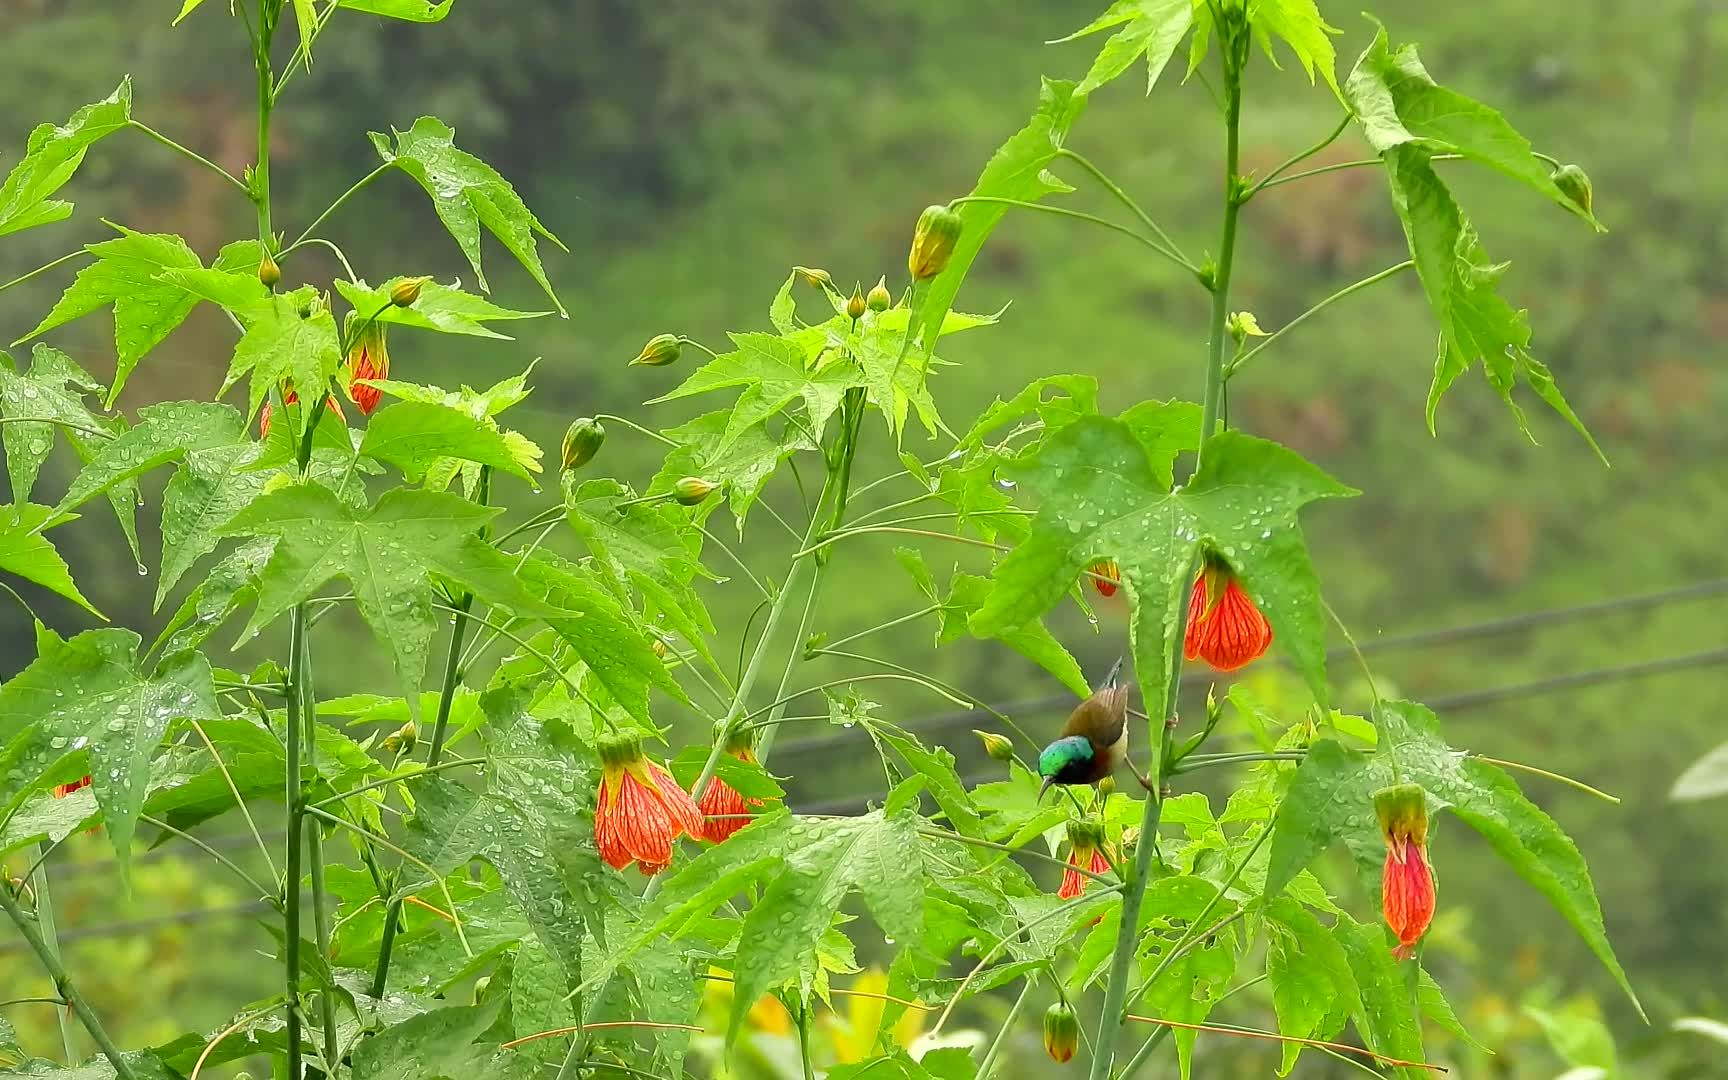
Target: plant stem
x: 1001, y: 1039
x: 1133, y: 207
x: 315, y: 850
x: 38, y: 876
x: 1059, y: 211
x: 1233, y: 53
x: 260, y: 190
x: 193, y: 155
x: 804, y: 1039
x: 1238, y: 363
x: 1291, y: 162
x: 66, y: 258
x: 341, y: 200
x: 50, y: 960
x: 295, y: 801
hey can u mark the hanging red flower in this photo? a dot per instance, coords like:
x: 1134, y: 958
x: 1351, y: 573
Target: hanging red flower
x: 1407, y: 896
x: 1225, y: 629
x: 63, y: 790
x: 1085, y: 850
x: 1106, y: 577
x: 640, y: 810
x: 368, y: 359
x: 723, y: 807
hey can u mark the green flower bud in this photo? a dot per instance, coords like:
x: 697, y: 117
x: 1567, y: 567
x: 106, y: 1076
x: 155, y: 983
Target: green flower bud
x: 815, y: 277
x: 997, y: 746
x: 403, y: 739
x: 582, y: 441
x: 268, y: 272
x: 693, y: 490
x: 879, y: 299
x: 856, y: 305
x: 662, y: 349
x: 1574, y: 183
x: 933, y: 242
x: 1061, y: 1032
x: 407, y: 291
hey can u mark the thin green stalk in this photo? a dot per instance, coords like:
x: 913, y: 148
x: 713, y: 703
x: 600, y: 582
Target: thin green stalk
x: 991, y: 1055
x: 1206, y: 761
x: 50, y: 936
x: 1111, y: 1018
x: 910, y: 616
x: 50, y: 961
x: 1237, y: 364
x: 1059, y: 211
x: 862, y: 530
x: 403, y: 778
x: 260, y: 190
x: 341, y: 200
x: 66, y: 258
x: 1133, y: 207
x: 191, y: 154
x: 1297, y: 159
x: 1341, y: 165
x: 295, y: 801
x: 804, y: 1039
x: 253, y: 883
x: 315, y: 850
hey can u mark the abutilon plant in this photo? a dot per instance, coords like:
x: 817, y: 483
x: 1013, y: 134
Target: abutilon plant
x: 496, y: 796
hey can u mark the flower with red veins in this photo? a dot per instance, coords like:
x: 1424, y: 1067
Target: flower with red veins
x: 1225, y: 629
x: 1085, y: 851
x: 640, y: 809
x: 1106, y: 577
x: 368, y: 358
x: 63, y: 790
x: 1406, y: 883
x: 724, y: 809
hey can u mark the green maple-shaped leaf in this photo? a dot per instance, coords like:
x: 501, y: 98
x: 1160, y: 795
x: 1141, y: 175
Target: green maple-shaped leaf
x: 166, y: 432
x: 230, y: 585
x: 468, y: 194
x: 1398, y: 103
x: 483, y: 406
x: 1409, y: 119
x: 387, y: 552
x: 26, y: 552
x: 444, y: 308
x: 1191, y: 986
x: 830, y: 859
x: 742, y: 467
x: 414, y: 436
x: 1015, y: 171
x: 654, y: 546
x: 52, y: 154
x: 533, y: 821
x: 1332, y: 798
x: 440, y: 1043
x: 1313, y: 988
x: 89, y: 695
x: 211, y: 486
x: 1299, y: 24
x: 289, y: 336
x: 604, y: 633
x: 1154, y: 28
x: 774, y: 373
x: 126, y: 276
x: 1104, y: 490
x: 53, y: 387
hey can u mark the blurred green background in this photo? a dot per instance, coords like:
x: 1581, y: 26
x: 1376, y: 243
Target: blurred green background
x: 689, y: 154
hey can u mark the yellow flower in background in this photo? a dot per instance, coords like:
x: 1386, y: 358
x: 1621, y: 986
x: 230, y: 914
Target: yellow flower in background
x: 852, y: 1028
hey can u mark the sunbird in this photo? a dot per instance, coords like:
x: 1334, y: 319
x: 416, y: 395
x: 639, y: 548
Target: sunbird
x: 1093, y: 741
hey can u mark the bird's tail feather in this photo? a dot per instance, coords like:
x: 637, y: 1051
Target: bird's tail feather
x: 1115, y: 676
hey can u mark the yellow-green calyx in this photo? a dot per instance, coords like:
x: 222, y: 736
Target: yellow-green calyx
x: 407, y: 291
x: 693, y: 490
x: 582, y: 441
x: 879, y: 299
x: 997, y: 746
x: 1403, y: 813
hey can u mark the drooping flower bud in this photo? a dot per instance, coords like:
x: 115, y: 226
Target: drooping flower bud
x: 582, y: 441
x: 368, y: 358
x: 1085, y: 851
x: 1061, y: 1032
x: 407, y: 291
x: 1574, y: 183
x: 879, y: 298
x: 1407, y: 896
x: 402, y: 740
x: 814, y: 277
x: 268, y: 272
x: 856, y: 305
x: 1106, y: 787
x: 662, y: 349
x: 933, y: 242
x: 997, y: 746
x: 724, y: 809
x: 693, y: 490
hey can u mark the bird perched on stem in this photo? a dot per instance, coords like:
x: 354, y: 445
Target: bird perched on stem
x: 1093, y: 741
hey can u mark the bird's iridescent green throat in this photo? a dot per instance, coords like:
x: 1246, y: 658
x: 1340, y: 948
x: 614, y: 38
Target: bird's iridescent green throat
x: 1063, y: 755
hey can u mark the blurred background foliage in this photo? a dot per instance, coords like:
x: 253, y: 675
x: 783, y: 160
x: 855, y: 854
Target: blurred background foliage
x: 689, y: 153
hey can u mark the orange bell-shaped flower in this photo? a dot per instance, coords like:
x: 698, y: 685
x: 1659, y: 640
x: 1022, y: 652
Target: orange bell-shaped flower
x: 1407, y: 895
x: 1225, y: 629
x: 639, y: 810
x: 724, y: 809
x: 1106, y: 577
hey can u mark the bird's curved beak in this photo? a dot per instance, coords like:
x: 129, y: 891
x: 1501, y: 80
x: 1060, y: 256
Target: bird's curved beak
x: 1045, y: 787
